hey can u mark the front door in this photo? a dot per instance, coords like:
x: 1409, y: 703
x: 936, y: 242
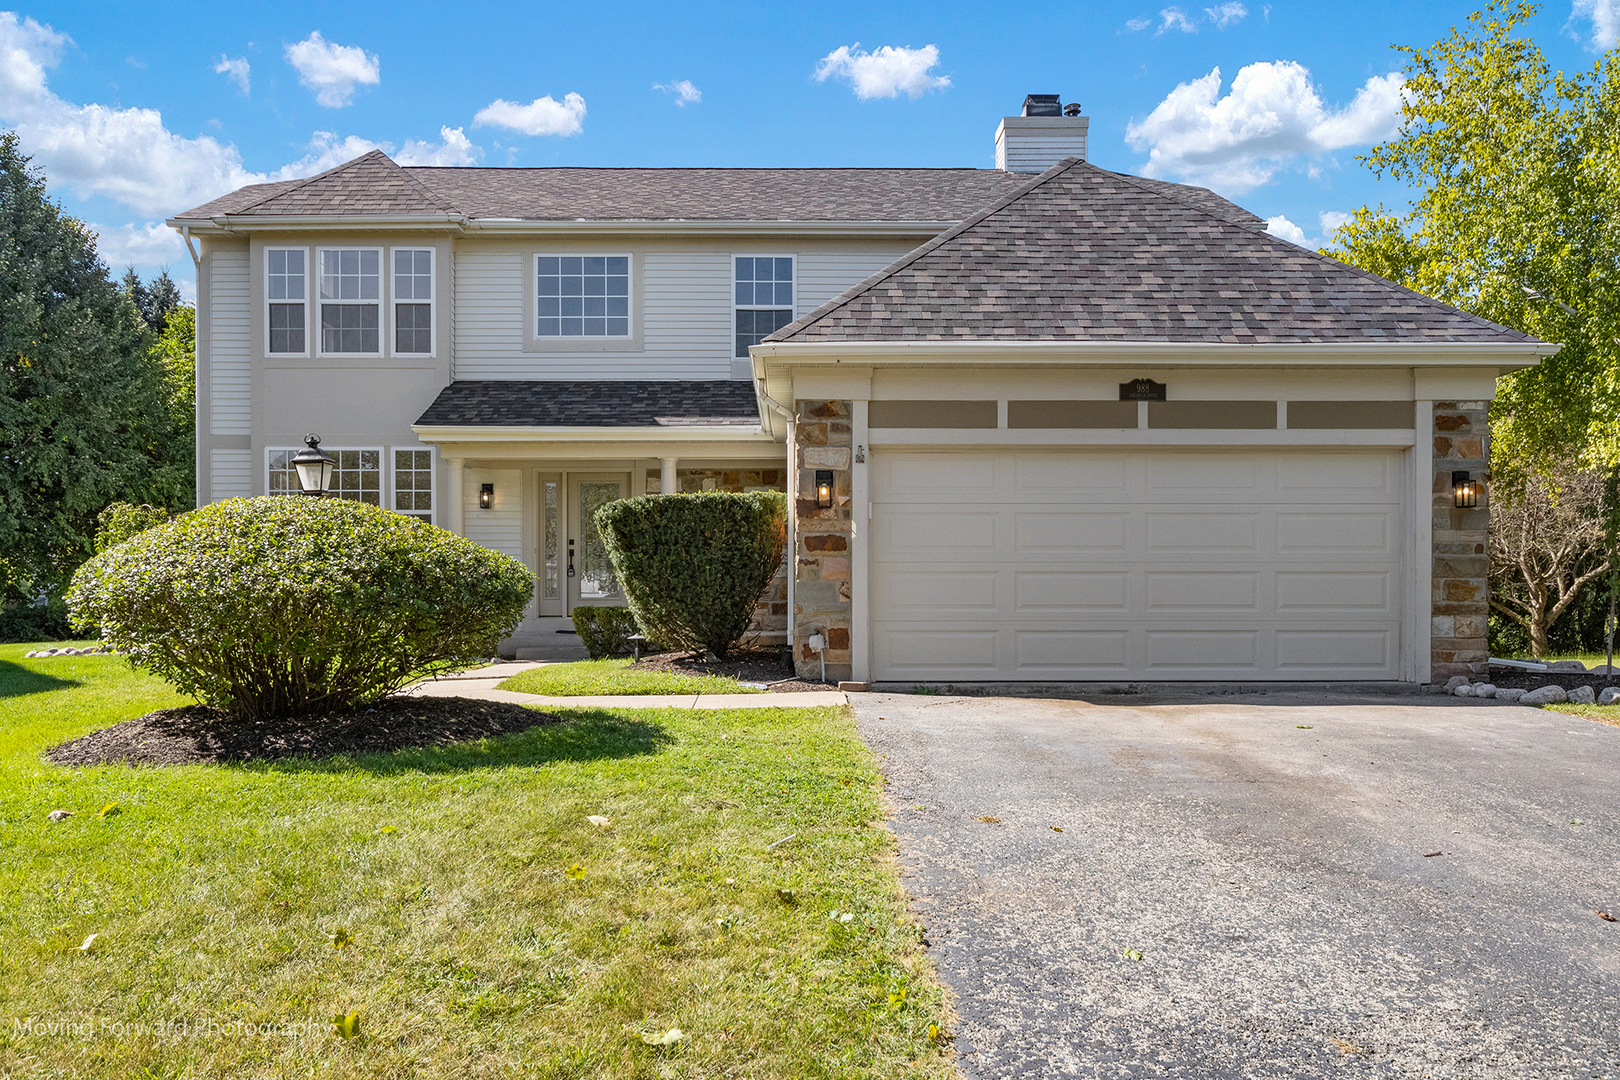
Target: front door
x: 591, y: 580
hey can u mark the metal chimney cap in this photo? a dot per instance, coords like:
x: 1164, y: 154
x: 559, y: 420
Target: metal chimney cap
x: 1072, y: 109
x: 1042, y: 105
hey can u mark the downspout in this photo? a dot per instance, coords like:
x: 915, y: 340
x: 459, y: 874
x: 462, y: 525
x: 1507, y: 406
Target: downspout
x: 196, y: 260
x: 792, y: 553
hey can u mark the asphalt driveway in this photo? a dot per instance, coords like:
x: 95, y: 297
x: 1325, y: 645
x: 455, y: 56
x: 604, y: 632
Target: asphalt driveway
x: 1272, y: 865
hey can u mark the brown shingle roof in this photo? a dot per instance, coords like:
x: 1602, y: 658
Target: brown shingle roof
x: 1082, y: 254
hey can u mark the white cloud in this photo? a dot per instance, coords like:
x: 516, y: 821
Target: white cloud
x: 1227, y: 14
x: 1284, y: 229
x: 542, y: 116
x: 1329, y: 222
x: 332, y: 71
x: 141, y: 244
x: 454, y: 148
x: 1605, y: 16
x: 685, y: 93
x: 1271, y: 116
x: 1140, y: 23
x: 1173, y: 18
x: 236, y: 69
x: 130, y: 157
x: 886, y: 73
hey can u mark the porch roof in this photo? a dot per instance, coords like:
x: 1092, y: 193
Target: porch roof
x: 602, y: 403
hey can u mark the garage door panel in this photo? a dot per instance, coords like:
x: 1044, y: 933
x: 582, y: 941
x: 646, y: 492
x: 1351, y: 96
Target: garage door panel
x: 1190, y: 531
x: 1343, y: 650
x: 1070, y: 653
x: 1315, y: 533
x: 1056, y: 592
x: 1203, y: 590
x: 1069, y: 532
x: 1056, y: 476
x: 913, y: 594
x: 1203, y: 474
x: 1365, y: 591
x: 1073, y: 565
x: 916, y: 534
x: 1206, y: 650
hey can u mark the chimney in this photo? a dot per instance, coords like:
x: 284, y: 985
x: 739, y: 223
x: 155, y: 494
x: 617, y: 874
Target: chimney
x: 1044, y: 135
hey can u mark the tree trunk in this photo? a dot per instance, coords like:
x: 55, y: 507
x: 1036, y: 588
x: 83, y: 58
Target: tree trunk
x: 1538, y: 634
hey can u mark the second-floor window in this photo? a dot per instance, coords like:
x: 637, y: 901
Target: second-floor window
x: 284, y: 291
x: 582, y: 296
x: 764, y: 298
x: 350, y: 300
x: 413, y: 300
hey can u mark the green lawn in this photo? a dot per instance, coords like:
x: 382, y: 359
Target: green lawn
x: 489, y: 929
x: 586, y: 677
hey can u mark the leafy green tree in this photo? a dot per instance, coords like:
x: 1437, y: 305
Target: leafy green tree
x: 173, y: 452
x: 81, y: 402
x: 1516, y: 171
x: 156, y: 301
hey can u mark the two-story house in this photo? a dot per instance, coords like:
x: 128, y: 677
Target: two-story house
x: 1039, y: 422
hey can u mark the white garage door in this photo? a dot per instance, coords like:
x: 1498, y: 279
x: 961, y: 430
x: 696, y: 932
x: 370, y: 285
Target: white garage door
x: 1210, y: 565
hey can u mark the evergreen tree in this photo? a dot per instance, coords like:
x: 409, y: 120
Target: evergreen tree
x: 82, y: 405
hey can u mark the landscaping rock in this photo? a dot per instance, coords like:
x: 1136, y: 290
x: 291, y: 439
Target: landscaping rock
x: 1582, y: 695
x: 1463, y: 691
x: 1545, y: 695
x: 1609, y: 695
x: 1509, y: 693
x: 1456, y: 681
x: 1565, y: 665
x: 1484, y: 689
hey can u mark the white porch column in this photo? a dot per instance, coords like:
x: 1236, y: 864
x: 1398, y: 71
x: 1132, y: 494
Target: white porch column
x: 666, y: 475
x: 453, y: 496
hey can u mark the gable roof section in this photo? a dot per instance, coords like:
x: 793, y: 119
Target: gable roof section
x: 597, y: 403
x: 370, y: 184
x: 1083, y: 254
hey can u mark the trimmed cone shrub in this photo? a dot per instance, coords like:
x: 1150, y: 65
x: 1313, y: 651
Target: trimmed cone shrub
x: 286, y: 606
x: 694, y: 566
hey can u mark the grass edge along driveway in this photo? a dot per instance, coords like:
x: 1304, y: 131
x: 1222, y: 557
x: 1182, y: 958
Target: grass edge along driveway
x: 585, y: 678
x: 457, y: 900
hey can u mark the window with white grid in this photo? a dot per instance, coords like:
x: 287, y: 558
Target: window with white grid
x: 413, y: 483
x: 358, y: 474
x: 284, y: 298
x: 413, y: 300
x: 350, y: 300
x: 582, y: 296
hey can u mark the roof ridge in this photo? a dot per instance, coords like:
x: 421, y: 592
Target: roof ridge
x: 910, y: 257
x: 1337, y: 264
x: 308, y: 180
x: 438, y: 200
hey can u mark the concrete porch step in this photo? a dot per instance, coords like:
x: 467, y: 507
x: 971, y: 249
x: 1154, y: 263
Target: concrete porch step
x: 561, y: 649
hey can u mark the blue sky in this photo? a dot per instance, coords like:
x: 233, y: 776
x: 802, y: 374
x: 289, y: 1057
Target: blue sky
x: 138, y: 112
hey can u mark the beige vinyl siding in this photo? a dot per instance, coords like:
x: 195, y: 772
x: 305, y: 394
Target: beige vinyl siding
x: 500, y: 528
x: 488, y: 323
x: 686, y: 310
x: 825, y: 274
x: 230, y: 346
x: 230, y: 474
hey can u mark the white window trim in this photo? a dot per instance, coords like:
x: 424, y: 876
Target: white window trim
x: 433, y: 477
x: 630, y: 307
x: 382, y: 303
x: 731, y: 350
x: 308, y: 303
x: 384, y: 466
x: 432, y: 302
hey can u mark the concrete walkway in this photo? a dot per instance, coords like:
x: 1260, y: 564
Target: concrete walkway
x: 482, y: 683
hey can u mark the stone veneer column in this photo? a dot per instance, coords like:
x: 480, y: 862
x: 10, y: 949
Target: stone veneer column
x: 821, y: 589
x: 1460, y: 597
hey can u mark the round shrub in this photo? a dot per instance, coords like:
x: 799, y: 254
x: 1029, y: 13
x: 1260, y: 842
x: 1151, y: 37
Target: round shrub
x: 122, y: 520
x: 286, y: 606
x: 694, y: 566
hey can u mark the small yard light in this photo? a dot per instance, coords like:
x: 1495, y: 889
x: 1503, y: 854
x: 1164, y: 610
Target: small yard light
x: 1464, y: 492
x: 486, y: 496
x: 824, y: 488
x: 314, y: 468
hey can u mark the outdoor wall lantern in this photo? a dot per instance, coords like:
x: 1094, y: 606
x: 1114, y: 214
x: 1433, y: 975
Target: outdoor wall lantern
x: 1464, y: 492
x: 486, y: 496
x: 314, y: 468
x: 824, y: 488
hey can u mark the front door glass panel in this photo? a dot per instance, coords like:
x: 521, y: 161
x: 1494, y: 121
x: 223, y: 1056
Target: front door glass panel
x: 551, y: 585
x: 596, y: 579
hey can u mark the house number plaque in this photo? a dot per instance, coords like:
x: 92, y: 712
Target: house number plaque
x: 1141, y: 390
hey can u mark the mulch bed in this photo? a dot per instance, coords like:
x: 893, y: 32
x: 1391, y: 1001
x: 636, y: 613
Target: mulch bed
x: 1569, y: 680
x: 201, y: 734
x: 760, y: 665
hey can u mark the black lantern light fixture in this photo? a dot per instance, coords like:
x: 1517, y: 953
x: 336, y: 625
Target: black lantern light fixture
x: 1464, y: 491
x: 486, y: 496
x: 824, y: 488
x: 314, y: 467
